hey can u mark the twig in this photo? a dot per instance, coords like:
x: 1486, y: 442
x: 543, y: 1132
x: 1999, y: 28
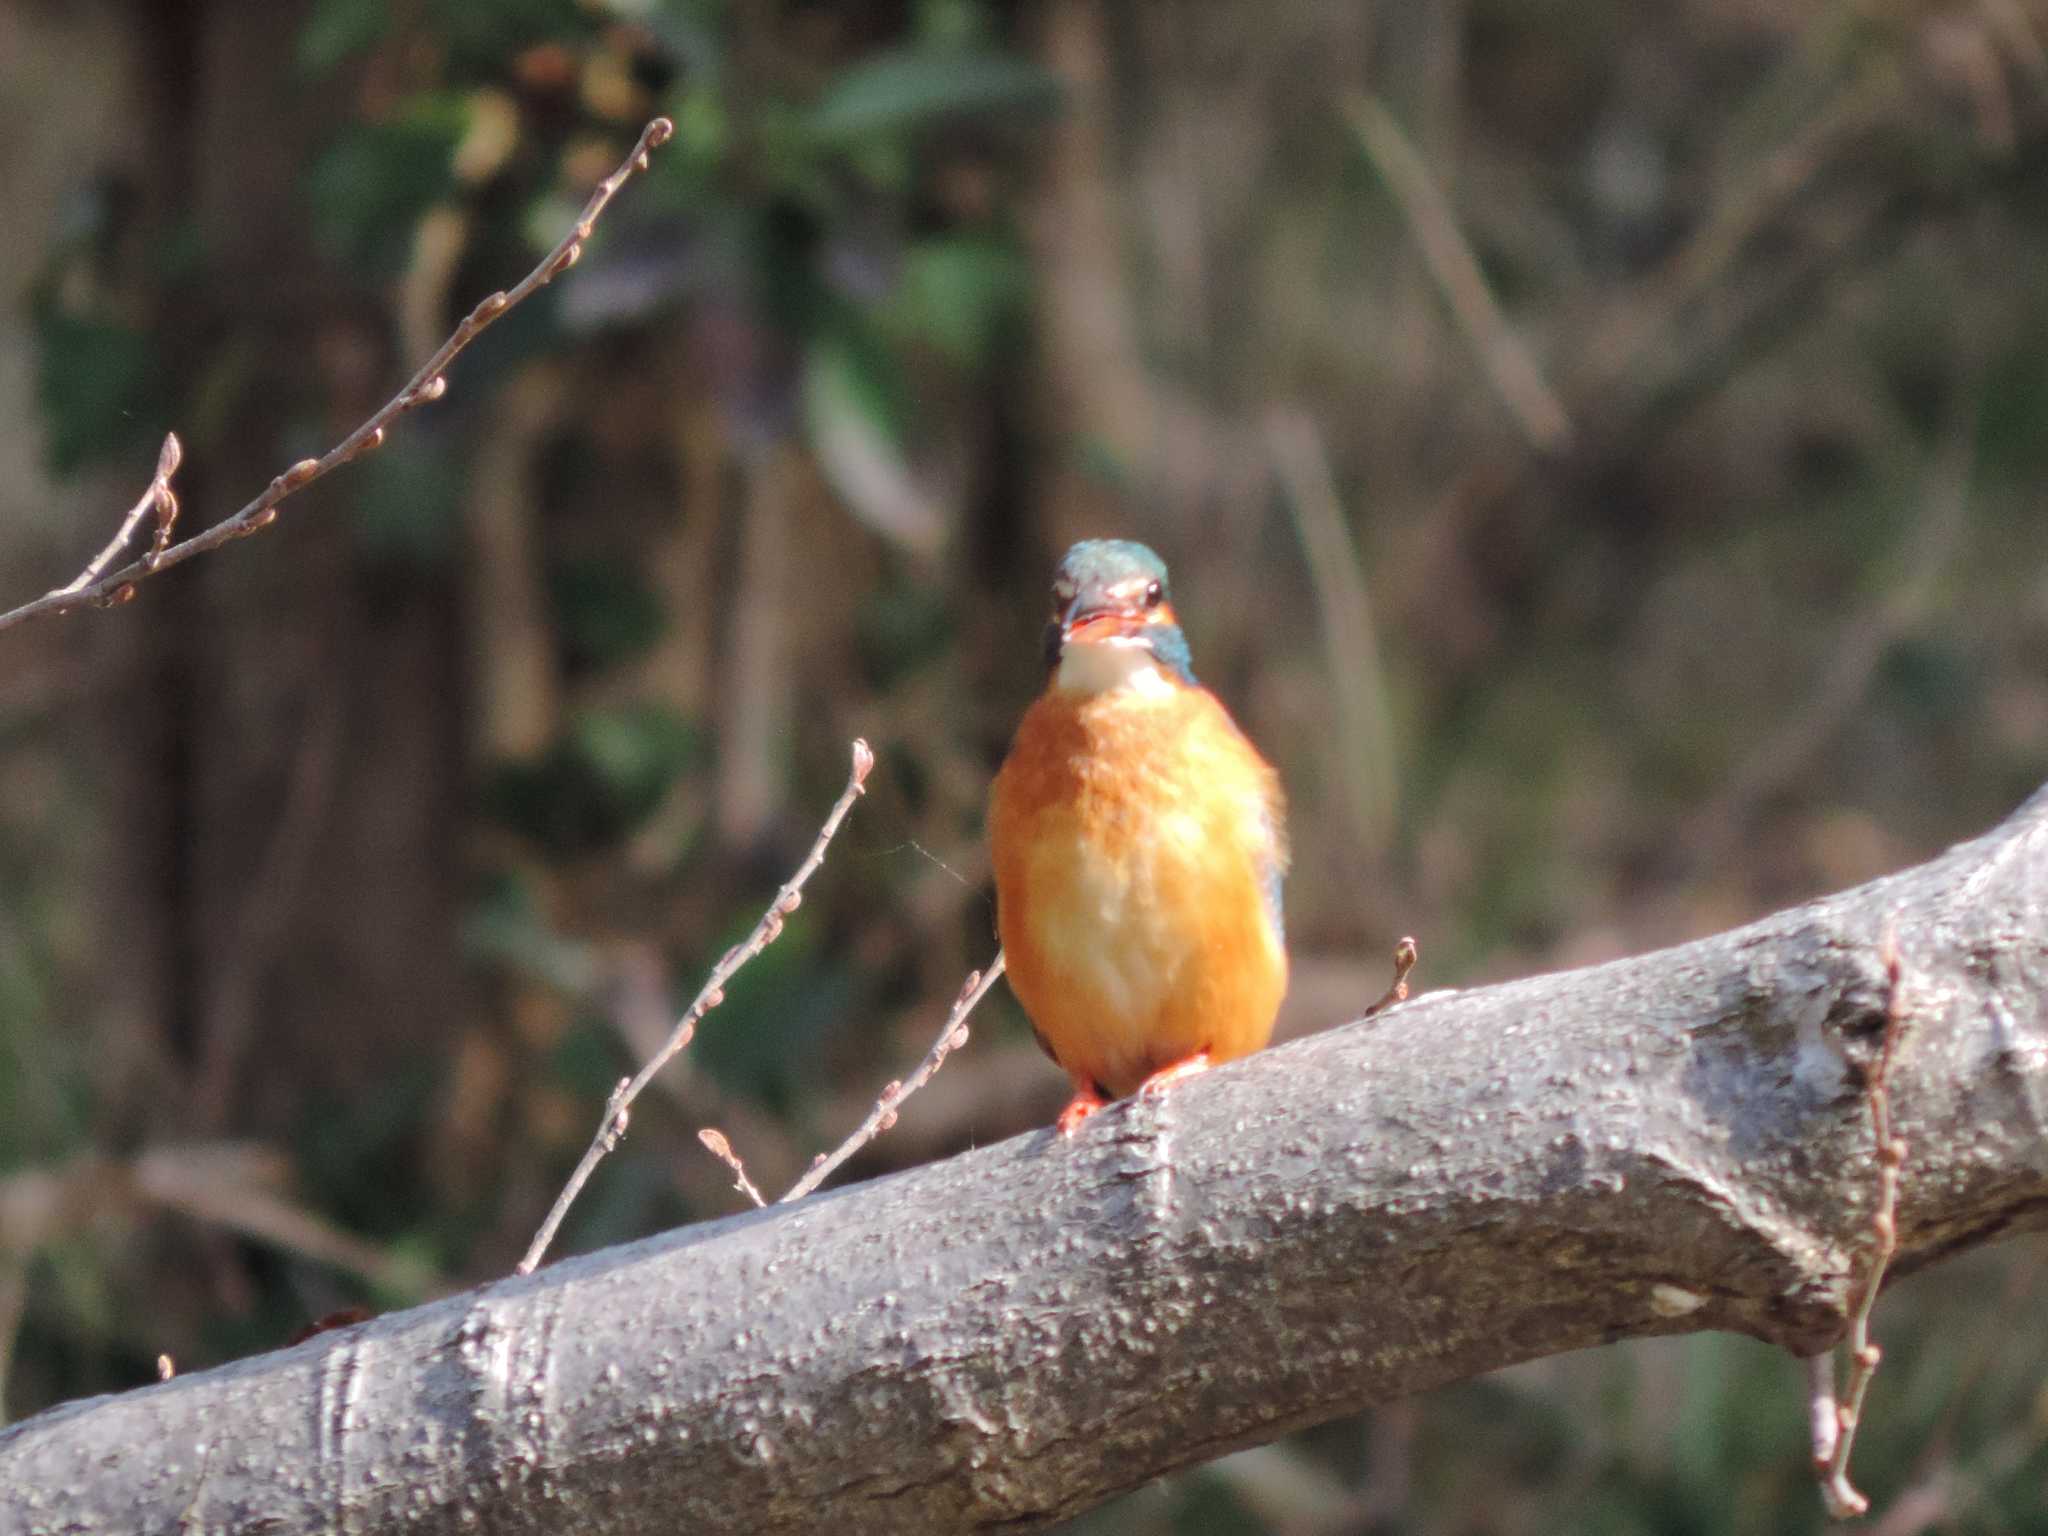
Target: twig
x: 766, y: 931
x: 952, y: 1035
x: 159, y: 496
x: 1514, y: 374
x: 715, y: 1143
x: 1835, y: 1439
x: 1404, y: 962
x: 97, y: 586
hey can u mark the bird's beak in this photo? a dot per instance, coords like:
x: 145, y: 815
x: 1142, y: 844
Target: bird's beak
x: 1096, y: 622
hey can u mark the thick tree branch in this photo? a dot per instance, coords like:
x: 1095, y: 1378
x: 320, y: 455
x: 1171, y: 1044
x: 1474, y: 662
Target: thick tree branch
x: 1673, y: 1142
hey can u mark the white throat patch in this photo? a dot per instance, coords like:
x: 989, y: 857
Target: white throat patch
x: 1097, y: 666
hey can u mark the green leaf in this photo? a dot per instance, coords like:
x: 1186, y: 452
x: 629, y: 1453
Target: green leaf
x: 853, y: 411
x: 505, y: 927
x: 907, y: 90
x: 776, y: 1015
x: 901, y: 628
x: 337, y: 30
x: 599, y: 783
x: 481, y: 38
x: 406, y: 501
x: 632, y: 752
x: 951, y: 23
x: 370, y: 190
x: 100, y: 390
x: 963, y: 296
x: 607, y: 613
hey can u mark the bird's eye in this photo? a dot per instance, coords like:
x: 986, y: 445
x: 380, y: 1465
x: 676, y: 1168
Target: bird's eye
x: 1154, y: 594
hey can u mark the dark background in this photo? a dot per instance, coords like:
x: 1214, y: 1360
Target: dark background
x: 1599, y: 451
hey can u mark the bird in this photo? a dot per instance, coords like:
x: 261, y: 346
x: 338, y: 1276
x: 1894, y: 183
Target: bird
x: 1139, y: 844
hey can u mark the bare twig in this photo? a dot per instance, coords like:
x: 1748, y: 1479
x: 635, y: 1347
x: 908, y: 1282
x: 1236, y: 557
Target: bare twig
x: 1832, y: 1444
x: 100, y: 587
x: 1404, y: 962
x: 1513, y: 372
x: 766, y: 931
x: 716, y: 1144
x: 952, y: 1035
x: 160, y: 497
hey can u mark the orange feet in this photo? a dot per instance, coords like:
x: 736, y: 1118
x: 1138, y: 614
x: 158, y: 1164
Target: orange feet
x: 1085, y: 1102
x: 1165, y: 1077
x: 1087, y: 1099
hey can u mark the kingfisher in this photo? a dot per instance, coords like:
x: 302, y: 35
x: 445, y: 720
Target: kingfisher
x: 1139, y: 845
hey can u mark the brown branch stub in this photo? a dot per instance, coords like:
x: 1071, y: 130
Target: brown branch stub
x: 1405, y: 955
x: 101, y: 587
x: 1834, y: 1432
x: 709, y: 996
x: 952, y: 1035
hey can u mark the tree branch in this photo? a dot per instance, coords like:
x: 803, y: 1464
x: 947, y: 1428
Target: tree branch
x: 1674, y: 1142
x: 99, y: 587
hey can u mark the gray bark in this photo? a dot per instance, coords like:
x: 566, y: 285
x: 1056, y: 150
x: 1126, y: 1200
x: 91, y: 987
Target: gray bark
x: 1673, y: 1142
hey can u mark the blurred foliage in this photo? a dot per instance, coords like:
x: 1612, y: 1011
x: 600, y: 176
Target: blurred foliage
x: 921, y: 290
x: 370, y: 191
x: 602, y: 779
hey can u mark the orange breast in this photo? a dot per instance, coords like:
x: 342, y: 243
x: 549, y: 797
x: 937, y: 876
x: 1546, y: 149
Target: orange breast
x: 1137, y: 849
